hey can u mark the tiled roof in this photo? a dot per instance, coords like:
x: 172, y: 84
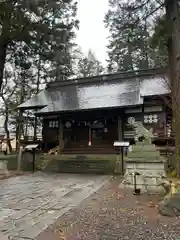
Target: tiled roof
x: 115, y: 92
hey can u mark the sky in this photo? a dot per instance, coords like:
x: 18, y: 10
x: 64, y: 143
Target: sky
x: 92, y: 34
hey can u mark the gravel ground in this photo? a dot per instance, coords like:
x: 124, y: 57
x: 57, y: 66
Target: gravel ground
x: 111, y: 214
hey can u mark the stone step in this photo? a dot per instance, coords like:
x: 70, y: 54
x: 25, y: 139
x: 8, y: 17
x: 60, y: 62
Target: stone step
x: 82, y: 166
x: 90, y: 151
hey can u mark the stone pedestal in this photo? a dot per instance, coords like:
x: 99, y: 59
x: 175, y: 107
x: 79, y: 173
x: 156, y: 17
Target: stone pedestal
x: 145, y: 160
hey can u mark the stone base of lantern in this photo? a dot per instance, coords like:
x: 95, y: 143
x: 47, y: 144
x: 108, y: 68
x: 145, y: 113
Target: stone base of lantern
x: 147, y: 162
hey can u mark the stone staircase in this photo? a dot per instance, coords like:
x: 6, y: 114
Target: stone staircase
x: 97, y: 147
x: 81, y: 164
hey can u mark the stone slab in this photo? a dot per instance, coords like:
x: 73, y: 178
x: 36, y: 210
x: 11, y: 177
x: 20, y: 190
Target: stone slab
x: 29, y: 204
x: 145, y: 166
x: 140, y: 160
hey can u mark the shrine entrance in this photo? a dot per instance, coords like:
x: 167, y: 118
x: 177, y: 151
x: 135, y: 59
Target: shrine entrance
x: 94, y: 131
x: 76, y: 131
x: 97, y: 130
x: 86, y: 132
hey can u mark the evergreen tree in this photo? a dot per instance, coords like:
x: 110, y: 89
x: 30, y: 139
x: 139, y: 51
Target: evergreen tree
x: 149, y: 8
x: 128, y: 40
x: 89, y: 66
x: 47, y: 27
x: 159, y: 42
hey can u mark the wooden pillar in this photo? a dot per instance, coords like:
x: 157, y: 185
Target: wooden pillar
x: 118, y: 168
x: 120, y: 134
x: 19, y: 128
x: 61, y: 137
x: 35, y: 128
x: 19, y: 158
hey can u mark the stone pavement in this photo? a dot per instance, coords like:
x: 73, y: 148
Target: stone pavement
x: 29, y: 204
x: 114, y: 214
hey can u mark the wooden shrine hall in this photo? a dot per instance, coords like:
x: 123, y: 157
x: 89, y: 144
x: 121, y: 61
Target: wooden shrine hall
x: 87, y: 115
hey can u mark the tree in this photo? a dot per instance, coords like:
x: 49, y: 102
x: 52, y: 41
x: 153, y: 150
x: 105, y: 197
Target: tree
x: 37, y: 37
x: 159, y: 42
x: 166, y: 40
x: 172, y: 24
x: 9, y: 87
x: 47, y: 25
x: 88, y: 66
x: 128, y: 41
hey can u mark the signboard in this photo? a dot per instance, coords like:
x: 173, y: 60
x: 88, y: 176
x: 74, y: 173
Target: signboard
x: 31, y: 146
x: 121, y: 144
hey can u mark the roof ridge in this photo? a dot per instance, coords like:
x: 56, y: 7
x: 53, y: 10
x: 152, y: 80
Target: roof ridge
x: 108, y: 77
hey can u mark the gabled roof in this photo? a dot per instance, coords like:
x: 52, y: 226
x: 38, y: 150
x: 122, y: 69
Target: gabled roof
x: 115, y: 90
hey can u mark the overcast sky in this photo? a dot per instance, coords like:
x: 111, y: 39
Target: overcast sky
x: 92, y: 33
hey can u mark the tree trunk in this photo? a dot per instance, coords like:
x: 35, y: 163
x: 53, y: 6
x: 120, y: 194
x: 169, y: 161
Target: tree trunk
x: 173, y: 18
x: 130, y: 55
x: 176, y: 42
x: 19, y: 129
x: 3, y: 49
x: 20, y: 125
x: 7, y: 130
x: 37, y: 91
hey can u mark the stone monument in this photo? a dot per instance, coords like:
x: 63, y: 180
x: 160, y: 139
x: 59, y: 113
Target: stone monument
x: 145, y: 160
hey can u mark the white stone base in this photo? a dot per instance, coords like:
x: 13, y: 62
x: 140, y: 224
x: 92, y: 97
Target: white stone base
x: 149, y: 178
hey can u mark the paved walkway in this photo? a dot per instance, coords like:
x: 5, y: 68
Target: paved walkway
x: 29, y: 204
x: 114, y: 214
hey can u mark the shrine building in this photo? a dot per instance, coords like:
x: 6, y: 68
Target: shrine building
x: 87, y: 115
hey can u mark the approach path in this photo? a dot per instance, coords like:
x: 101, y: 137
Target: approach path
x: 30, y: 203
